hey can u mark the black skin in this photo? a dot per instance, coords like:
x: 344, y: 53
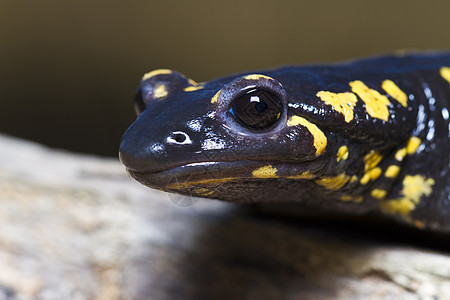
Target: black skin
x: 184, y: 143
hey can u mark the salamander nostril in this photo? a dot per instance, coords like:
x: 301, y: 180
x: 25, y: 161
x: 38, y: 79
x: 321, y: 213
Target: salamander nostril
x: 179, y: 137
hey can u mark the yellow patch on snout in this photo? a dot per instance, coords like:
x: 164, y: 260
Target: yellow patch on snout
x: 376, y: 104
x: 320, y: 140
x: 395, y: 92
x: 343, y: 103
x: 257, y: 77
x: 160, y: 91
x: 265, y: 172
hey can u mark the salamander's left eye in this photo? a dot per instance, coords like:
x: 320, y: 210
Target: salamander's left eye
x: 257, y: 109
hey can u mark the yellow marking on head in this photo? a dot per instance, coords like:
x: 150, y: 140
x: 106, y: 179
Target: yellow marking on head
x: 265, y: 172
x: 343, y: 103
x: 378, y: 194
x: 392, y: 171
x: 395, y: 92
x: 348, y: 198
x: 333, y: 183
x: 376, y: 104
x: 413, y: 144
x: 193, y: 88
x: 160, y: 91
x: 192, y: 82
x: 320, y: 140
x: 256, y: 77
x: 353, y: 179
x: 304, y: 175
x: 445, y: 73
x: 342, y: 153
x: 216, y: 97
x: 156, y: 72
x: 185, y: 184
x: 414, y: 187
x: 400, y: 154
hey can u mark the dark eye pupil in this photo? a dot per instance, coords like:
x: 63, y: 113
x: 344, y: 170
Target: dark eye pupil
x: 257, y: 109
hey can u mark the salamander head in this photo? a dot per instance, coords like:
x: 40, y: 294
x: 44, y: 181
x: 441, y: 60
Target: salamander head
x: 219, y: 139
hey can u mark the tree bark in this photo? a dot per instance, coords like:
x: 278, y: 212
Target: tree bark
x: 77, y: 227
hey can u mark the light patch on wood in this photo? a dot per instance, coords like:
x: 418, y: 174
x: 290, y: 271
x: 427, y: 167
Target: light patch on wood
x: 343, y: 103
x: 414, y: 187
x: 320, y: 140
x: 445, y: 73
x: 265, y: 172
x: 376, y: 104
x: 395, y: 92
x: 342, y: 153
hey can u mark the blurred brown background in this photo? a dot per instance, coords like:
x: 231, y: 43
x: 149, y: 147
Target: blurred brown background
x: 69, y: 69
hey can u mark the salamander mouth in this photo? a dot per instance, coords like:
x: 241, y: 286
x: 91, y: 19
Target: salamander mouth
x: 209, y: 174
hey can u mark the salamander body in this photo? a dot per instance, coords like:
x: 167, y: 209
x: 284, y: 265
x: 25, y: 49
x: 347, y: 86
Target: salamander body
x: 366, y: 136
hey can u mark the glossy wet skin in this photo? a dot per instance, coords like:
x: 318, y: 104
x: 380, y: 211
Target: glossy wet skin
x: 357, y: 137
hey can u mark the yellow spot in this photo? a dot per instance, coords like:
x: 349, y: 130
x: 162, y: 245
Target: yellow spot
x: 372, y: 159
x: 348, y: 198
x: 343, y: 103
x: 333, y: 183
x: 256, y: 77
x: 413, y: 144
x: 378, y: 193
x: 395, y: 92
x: 320, y: 140
x: 216, y: 97
x: 392, y: 171
x: 376, y: 104
x: 160, y: 91
x: 204, y: 192
x: 371, y: 171
x: 192, y: 82
x: 304, y: 175
x: 414, y: 187
x: 353, y: 179
x: 445, y: 73
x: 185, y: 184
x: 372, y: 174
x: 342, y: 153
x: 193, y: 88
x: 265, y: 172
x: 419, y: 224
x: 400, y: 154
x: 156, y: 72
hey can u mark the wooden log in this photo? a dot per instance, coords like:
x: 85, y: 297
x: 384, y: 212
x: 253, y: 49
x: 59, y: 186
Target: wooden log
x: 77, y: 227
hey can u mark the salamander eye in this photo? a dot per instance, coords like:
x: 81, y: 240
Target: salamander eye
x: 257, y: 110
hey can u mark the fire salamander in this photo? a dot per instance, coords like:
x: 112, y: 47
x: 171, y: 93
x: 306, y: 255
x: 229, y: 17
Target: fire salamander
x: 366, y: 136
